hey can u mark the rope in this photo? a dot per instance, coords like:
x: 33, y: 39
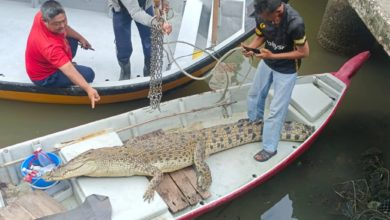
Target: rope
x: 212, y: 71
x: 203, y: 50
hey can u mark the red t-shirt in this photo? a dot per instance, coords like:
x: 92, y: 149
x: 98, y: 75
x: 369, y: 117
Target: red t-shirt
x: 46, y: 51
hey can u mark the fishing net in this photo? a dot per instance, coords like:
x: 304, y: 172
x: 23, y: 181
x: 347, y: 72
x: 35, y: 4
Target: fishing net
x: 367, y: 198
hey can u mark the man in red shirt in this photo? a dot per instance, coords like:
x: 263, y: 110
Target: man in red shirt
x: 51, y: 46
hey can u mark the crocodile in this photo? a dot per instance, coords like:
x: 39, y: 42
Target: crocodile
x: 161, y: 152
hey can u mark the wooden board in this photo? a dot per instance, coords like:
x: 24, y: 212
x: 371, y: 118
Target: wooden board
x: 186, y: 181
x: 14, y: 212
x: 31, y: 206
x: 178, y: 190
x: 185, y: 186
x: 171, y: 194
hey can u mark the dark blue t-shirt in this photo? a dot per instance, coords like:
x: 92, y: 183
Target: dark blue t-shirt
x: 281, y: 38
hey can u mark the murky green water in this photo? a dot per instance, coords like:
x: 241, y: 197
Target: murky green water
x: 304, y: 189
x: 21, y: 121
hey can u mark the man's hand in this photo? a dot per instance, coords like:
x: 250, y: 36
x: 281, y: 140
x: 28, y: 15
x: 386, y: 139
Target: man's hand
x: 93, y: 95
x: 85, y: 44
x: 165, y: 7
x: 71, y: 72
x: 167, y: 28
x: 265, y: 54
x: 244, y: 52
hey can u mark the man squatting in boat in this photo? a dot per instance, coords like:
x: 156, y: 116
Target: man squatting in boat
x: 281, y: 29
x: 51, y: 45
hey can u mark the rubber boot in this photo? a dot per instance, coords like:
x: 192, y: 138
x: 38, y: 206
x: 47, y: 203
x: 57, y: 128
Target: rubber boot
x: 125, y: 71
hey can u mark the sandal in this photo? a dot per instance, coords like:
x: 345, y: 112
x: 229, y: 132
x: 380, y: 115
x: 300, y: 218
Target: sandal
x: 263, y: 155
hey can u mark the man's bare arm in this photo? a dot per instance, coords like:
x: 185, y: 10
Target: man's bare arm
x: 71, y: 72
x: 74, y: 34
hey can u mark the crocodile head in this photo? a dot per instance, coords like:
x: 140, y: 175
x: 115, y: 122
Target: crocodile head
x: 79, y: 166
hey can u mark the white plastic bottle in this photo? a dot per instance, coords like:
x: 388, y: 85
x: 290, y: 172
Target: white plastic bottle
x: 42, y: 170
x: 43, y: 158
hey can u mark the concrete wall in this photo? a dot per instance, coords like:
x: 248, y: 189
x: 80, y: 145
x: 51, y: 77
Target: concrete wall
x: 351, y: 26
x: 376, y: 16
x: 342, y: 31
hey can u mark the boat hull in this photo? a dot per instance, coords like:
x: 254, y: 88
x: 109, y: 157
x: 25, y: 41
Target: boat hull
x: 113, y: 91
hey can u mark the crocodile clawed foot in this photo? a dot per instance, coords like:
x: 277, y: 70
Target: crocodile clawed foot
x: 203, y: 182
x: 149, y: 195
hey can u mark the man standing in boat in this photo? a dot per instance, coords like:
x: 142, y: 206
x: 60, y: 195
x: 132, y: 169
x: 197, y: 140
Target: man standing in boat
x: 281, y: 29
x: 124, y: 12
x: 51, y: 45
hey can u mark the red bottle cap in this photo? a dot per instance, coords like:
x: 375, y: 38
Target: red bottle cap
x: 28, y: 178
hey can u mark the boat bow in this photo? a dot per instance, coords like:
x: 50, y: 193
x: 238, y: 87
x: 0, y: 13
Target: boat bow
x: 349, y: 69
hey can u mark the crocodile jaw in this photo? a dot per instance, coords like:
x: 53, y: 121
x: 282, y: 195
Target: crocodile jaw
x: 71, y: 169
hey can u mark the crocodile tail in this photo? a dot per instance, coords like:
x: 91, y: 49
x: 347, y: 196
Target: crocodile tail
x: 295, y: 131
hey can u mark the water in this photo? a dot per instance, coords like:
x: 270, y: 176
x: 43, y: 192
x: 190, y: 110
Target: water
x: 304, y: 189
x: 22, y: 121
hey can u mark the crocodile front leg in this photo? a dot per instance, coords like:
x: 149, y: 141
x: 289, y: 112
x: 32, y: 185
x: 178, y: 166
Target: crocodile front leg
x: 203, y: 171
x: 154, y: 182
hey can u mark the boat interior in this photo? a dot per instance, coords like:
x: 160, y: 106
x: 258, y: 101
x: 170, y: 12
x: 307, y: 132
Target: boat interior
x: 314, y: 99
x: 191, y: 20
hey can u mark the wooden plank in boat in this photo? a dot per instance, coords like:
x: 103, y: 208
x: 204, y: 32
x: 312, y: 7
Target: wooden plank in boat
x: 40, y: 204
x: 171, y: 194
x: 178, y: 189
x: 14, y: 211
x: 34, y: 205
x: 184, y: 183
x: 190, y: 173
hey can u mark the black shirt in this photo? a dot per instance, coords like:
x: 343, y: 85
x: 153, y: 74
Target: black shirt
x: 283, y: 37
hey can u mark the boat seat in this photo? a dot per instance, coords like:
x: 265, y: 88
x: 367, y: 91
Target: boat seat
x: 125, y: 193
x: 188, y: 31
x: 310, y: 101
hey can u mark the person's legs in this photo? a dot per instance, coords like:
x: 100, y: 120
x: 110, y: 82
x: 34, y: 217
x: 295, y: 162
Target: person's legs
x: 56, y: 80
x: 145, y: 35
x: 86, y: 72
x: 283, y: 87
x: 122, y: 31
x: 258, y: 92
x: 60, y: 80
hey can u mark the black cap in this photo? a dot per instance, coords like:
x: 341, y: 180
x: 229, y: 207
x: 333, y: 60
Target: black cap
x: 266, y: 5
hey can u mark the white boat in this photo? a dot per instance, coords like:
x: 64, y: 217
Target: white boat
x: 315, y: 100
x: 192, y: 23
